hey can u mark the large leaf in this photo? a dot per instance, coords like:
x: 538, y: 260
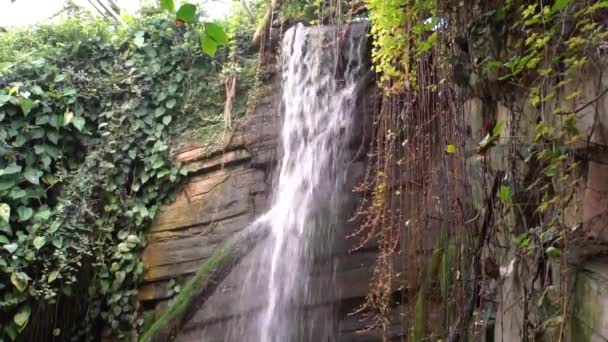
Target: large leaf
x: 32, y: 175
x: 208, y: 45
x: 25, y: 213
x: 11, y: 247
x: 39, y: 242
x: 170, y: 103
x: 20, y: 280
x: 186, y: 12
x: 5, y: 212
x: 10, y: 169
x: 559, y: 5
x: 167, y: 5
x: 26, y: 106
x: 215, y: 32
x: 23, y: 316
x: 78, y: 122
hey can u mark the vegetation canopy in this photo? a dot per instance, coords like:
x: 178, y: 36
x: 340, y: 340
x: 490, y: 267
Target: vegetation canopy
x: 88, y: 111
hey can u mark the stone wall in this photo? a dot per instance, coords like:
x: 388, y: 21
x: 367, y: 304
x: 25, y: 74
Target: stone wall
x: 587, y: 290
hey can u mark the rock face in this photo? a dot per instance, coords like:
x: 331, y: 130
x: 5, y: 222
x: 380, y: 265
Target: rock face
x: 225, y: 191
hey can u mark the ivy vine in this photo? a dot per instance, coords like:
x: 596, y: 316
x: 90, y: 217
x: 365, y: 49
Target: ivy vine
x: 87, y: 114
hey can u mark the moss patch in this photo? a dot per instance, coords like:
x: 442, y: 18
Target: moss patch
x: 162, y: 327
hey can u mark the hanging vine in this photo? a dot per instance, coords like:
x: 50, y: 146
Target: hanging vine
x: 433, y: 58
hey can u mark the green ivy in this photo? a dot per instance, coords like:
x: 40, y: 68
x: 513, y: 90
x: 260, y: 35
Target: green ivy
x: 87, y: 114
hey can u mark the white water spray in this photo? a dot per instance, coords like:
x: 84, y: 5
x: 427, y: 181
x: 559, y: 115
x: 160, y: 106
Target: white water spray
x: 320, y: 67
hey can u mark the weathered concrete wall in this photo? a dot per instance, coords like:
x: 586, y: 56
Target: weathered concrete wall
x: 587, y: 289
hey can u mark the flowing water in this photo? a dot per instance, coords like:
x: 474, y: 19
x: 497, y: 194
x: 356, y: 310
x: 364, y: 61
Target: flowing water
x: 320, y: 67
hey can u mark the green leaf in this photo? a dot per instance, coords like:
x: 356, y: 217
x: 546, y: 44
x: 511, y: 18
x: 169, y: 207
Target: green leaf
x: 43, y: 215
x: 52, y: 276
x: 504, y: 193
x: 170, y: 103
x: 215, y: 32
x: 208, y: 45
x: 11, y: 169
x: 5, y: 212
x: 25, y: 213
x: 67, y: 117
x: 553, y: 252
x: 11, y: 247
x: 139, y: 41
x: 451, y: 149
x: 32, y: 175
x: 26, y: 106
x: 186, y: 12
x: 159, y: 111
x: 17, y: 193
x: 54, y: 226
x: 37, y: 90
x: 167, y: 119
x: 23, y: 316
x: 7, y: 184
x: 498, y: 128
x: 20, y: 280
x: 167, y: 5
x: 39, y: 242
x: 172, y: 88
x: 78, y: 123
x: 523, y: 240
x: 559, y: 5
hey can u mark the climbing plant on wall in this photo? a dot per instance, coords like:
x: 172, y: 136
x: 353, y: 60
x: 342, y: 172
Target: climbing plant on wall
x: 432, y: 56
x: 87, y: 113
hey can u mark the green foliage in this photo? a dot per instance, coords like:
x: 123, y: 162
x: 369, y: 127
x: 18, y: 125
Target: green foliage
x: 504, y: 193
x: 451, y: 149
x: 87, y: 113
x: 211, y: 36
x: 402, y: 31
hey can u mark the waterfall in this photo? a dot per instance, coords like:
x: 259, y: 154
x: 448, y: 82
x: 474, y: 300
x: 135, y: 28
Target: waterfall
x: 320, y: 67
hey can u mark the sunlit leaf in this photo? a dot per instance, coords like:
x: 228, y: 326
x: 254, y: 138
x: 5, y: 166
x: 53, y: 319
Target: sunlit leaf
x: 559, y: 5
x: 498, y: 128
x: 167, y: 5
x: 52, y: 276
x: 23, y: 316
x: 67, y: 117
x: 170, y: 103
x: 215, y: 32
x: 5, y: 212
x: 39, y: 242
x: 11, y: 247
x: 20, y: 280
x: 504, y: 193
x: 208, y: 45
x: 186, y: 12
